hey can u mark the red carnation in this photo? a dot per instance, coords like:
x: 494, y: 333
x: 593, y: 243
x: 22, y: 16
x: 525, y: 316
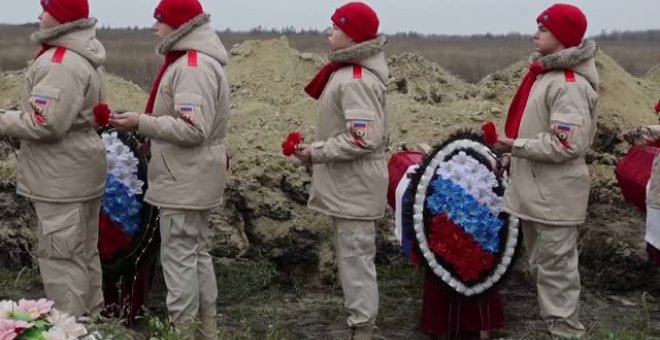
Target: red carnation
x: 295, y: 137
x: 489, y: 133
x: 292, y: 141
x: 288, y: 148
x: 657, y: 107
x: 102, y: 114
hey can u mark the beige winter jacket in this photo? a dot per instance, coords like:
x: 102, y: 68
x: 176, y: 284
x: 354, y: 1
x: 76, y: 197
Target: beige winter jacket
x: 349, y: 175
x: 549, y: 177
x: 62, y: 158
x: 187, y: 169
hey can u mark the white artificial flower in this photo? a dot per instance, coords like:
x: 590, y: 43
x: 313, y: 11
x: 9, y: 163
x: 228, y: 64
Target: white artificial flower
x: 122, y: 163
x: 56, y: 333
x: 474, y: 177
x: 67, y: 324
x: 7, y: 308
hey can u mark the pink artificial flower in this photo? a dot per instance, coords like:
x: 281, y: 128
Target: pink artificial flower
x: 10, y: 329
x: 8, y: 335
x: 35, y: 309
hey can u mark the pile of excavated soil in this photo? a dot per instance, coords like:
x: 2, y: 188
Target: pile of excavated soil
x: 426, y: 82
x: 653, y: 75
x: 265, y: 213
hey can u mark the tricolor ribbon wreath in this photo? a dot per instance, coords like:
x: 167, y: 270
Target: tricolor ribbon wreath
x: 453, y: 210
x: 121, y: 206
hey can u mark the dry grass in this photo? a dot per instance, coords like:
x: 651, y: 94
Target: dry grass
x: 131, y: 52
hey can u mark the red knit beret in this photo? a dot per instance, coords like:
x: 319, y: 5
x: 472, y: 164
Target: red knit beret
x: 66, y: 10
x: 566, y: 22
x: 357, y: 20
x: 177, y: 12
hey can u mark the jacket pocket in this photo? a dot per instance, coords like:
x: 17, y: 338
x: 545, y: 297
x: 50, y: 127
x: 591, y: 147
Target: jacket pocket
x: 60, y: 235
x: 167, y: 167
x: 538, y: 175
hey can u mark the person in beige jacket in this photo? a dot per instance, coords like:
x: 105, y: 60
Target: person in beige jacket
x: 61, y: 164
x: 550, y: 128
x: 349, y: 173
x: 189, y: 108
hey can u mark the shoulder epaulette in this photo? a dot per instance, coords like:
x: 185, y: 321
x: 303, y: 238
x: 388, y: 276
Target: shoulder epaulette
x: 357, y: 71
x: 569, y: 75
x: 192, y: 58
x: 58, y: 56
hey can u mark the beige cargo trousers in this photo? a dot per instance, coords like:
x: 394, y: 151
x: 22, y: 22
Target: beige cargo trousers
x: 68, y: 255
x: 188, y: 270
x: 355, y: 250
x: 553, y: 264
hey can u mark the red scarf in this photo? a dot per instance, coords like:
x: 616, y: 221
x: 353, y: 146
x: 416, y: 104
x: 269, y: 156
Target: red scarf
x: 44, y: 49
x: 317, y: 85
x: 517, y: 108
x: 170, y: 58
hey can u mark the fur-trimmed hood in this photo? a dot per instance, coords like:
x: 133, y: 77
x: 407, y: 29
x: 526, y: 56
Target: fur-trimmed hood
x: 581, y: 59
x: 198, y: 35
x: 369, y: 54
x: 78, y: 36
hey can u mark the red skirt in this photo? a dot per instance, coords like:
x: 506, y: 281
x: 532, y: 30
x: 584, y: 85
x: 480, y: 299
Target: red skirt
x: 446, y: 313
x: 654, y: 254
x: 125, y: 300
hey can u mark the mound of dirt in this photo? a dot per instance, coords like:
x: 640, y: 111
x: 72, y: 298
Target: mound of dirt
x: 426, y: 82
x: 626, y: 101
x: 270, y: 71
x: 653, y: 75
x: 500, y: 86
x: 10, y: 86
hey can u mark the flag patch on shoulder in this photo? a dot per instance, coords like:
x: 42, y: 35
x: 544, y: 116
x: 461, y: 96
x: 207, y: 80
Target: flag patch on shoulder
x: 564, y: 131
x: 186, y: 112
x: 564, y: 127
x: 360, y: 124
x: 359, y: 128
x: 186, y: 108
x: 39, y: 105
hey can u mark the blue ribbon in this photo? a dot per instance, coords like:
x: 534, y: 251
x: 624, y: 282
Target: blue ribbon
x: 466, y: 212
x: 121, y: 206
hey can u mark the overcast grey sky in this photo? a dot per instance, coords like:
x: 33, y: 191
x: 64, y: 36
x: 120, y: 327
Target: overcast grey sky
x: 426, y: 16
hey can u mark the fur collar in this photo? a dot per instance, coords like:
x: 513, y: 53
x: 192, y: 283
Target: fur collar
x: 360, y: 51
x: 569, y: 57
x: 169, y: 41
x: 43, y: 36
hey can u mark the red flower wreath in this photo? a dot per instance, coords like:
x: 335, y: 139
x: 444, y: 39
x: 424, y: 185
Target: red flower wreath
x: 111, y: 238
x: 289, y: 145
x: 458, y: 248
